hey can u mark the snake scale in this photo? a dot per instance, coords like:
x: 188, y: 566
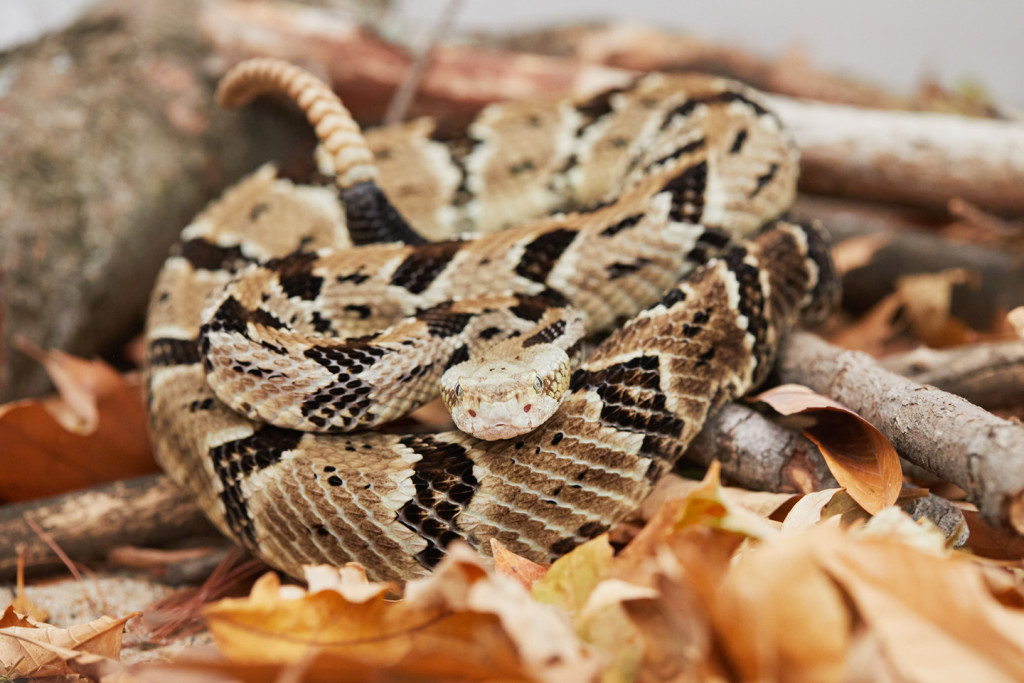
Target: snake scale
x: 654, y: 211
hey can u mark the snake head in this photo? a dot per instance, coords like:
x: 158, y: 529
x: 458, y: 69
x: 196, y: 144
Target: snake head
x: 503, y: 398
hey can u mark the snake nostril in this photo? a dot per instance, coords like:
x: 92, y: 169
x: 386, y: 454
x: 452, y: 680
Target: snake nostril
x: 472, y: 413
x: 527, y: 407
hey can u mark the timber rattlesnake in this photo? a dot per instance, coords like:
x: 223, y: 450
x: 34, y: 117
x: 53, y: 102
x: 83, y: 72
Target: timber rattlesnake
x: 634, y: 188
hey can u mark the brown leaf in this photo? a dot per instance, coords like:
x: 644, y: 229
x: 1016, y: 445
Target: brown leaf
x: 1016, y: 320
x: 857, y: 252
x: 43, y: 650
x: 461, y: 622
x: 79, y: 383
x: 927, y: 298
x: 935, y: 616
x: 512, y: 566
x: 988, y: 541
x: 873, y: 329
x: 12, y: 617
x: 94, y: 432
x: 780, y: 617
x: 858, y: 455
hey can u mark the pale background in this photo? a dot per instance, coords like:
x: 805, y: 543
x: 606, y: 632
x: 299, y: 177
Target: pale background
x: 892, y: 42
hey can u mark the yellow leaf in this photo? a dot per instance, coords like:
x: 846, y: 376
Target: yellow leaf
x: 573, y: 576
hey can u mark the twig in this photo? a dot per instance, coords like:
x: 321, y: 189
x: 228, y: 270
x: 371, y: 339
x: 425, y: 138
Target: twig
x: 399, y: 105
x: 143, y: 511
x: 923, y: 159
x: 988, y: 375
x: 756, y: 453
x: 943, y: 433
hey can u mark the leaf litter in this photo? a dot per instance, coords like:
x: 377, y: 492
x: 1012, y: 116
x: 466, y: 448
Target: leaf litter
x: 707, y: 590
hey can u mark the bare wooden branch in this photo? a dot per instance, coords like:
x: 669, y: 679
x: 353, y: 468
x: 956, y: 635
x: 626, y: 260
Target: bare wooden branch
x: 86, y: 524
x: 916, y: 158
x: 942, y: 433
x: 756, y: 453
x: 988, y: 375
x: 642, y: 48
x: 908, y: 246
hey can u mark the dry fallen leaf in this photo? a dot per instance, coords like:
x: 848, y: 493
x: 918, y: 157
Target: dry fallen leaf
x: 927, y: 300
x: 856, y: 252
x: 92, y: 666
x: 858, y: 455
x: 37, y: 650
x: 779, y: 616
x: 935, y: 617
x: 1016, y: 320
x: 95, y: 431
x: 460, y: 623
x: 512, y: 566
x: 569, y: 581
x: 871, y: 332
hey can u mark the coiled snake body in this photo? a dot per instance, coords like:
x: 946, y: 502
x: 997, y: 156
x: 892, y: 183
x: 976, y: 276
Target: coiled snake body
x: 605, y: 203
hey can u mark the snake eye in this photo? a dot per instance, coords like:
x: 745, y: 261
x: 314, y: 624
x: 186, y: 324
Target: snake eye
x: 538, y: 384
x: 458, y: 391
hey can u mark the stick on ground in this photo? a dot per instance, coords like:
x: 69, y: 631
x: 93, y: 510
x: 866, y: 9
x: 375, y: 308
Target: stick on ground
x: 945, y: 434
x: 86, y: 524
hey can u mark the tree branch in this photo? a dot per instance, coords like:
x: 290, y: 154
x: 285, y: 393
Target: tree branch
x: 943, y: 433
x: 86, y: 524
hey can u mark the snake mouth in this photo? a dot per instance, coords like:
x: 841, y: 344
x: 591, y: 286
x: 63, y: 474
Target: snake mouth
x: 500, y: 430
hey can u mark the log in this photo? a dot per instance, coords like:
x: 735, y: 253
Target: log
x: 945, y: 434
x: 112, y: 142
x: 86, y: 524
x: 909, y: 245
x: 917, y: 158
x: 759, y: 454
x: 988, y: 375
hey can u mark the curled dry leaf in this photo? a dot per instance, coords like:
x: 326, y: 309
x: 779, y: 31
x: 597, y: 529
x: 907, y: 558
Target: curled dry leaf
x: 862, y: 460
x: 858, y: 251
x: 521, y: 570
x: 935, y: 617
x: 927, y: 300
x: 460, y: 623
x: 1016, y: 320
x: 776, y: 613
x: 95, y: 431
x: 35, y: 650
